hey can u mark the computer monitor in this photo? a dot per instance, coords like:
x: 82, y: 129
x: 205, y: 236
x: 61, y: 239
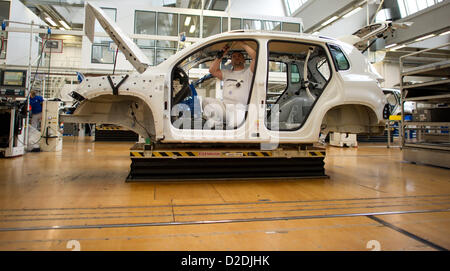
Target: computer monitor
x: 14, y: 78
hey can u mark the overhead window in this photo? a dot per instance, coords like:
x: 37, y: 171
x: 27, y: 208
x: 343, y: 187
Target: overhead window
x: 293, y: 5
x: 408, y: 7
x: 339, y: 58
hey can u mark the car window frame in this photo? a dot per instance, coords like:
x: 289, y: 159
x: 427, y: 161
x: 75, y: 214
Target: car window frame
x: 327, y: 54
x: 336, y: 65
x: 231, y: 39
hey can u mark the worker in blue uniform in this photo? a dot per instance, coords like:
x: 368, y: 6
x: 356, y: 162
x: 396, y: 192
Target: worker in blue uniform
x: 36, y: 109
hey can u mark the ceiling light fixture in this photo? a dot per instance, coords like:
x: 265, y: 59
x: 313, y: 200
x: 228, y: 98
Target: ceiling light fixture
x: 445, y: 33
x: 425, y: 37
x: 332, y: 19
x: 187, y: 21
x: 390, y: 45
x: 352, y: 12
x: 398, y: 47
x: 50, y: 21
x: 192, y: 29
x: 66, y: 26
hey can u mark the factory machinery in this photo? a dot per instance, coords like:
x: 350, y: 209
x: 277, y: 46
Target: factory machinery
x: 13, y: 117
x: 13, y: 110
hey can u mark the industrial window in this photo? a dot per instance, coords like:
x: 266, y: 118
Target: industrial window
x: 408, y: 7
x: 190, y: 25
x: 339, y: 58
x: 163, y: 54
x: 150, y: 53
x: 272, y: 25
x: 224, y: 24
x: 293, y: 5
x: 102, y: 51
x: 157, y: 54
x: 167, y: 24
x: 252, y: 24
x: 289, y: 104
x: 291, y: 27
x: 145, y: 23
x: 236, y: 24
x: 211, y: 26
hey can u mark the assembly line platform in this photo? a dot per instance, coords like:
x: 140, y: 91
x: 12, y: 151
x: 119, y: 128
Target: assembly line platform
x: 182, y: 162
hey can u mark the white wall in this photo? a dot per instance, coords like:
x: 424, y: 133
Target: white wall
x: 19, y: 43
x: 69, y: 58
x: 257, y: 7
x: 390, y: 72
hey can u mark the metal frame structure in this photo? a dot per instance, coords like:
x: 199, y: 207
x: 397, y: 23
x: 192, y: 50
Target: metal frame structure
x: 432, y: 144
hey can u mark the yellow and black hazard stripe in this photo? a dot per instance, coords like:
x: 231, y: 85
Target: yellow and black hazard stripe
x: 137, y: 154
x: 316, y: 153
x: 174, y: 154
x: 109, y: 128
x: 195, y: 154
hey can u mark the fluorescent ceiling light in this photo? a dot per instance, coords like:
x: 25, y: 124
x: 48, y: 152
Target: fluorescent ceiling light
x: 352, y: 12
x: 65, y: 24
x: 187, y: 21
x: 398, y: 47
x: 332, y: 19
x: 192, y: 29
x: 390, y: 45
x: 49, y: 20
x: 445, y: 33
x: 425, y: 37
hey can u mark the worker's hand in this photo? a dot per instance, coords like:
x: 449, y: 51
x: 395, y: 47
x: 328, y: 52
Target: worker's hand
x: 223, y: 52
x: 225, y: 49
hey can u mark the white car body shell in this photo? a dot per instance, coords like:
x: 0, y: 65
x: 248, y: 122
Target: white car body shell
x: 357, y: 86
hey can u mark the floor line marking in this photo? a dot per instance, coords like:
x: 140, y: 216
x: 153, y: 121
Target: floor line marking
x: 180, y: 223
x: 407, y: 233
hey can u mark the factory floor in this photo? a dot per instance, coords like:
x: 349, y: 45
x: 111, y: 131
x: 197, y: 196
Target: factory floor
x: 372, y: 200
